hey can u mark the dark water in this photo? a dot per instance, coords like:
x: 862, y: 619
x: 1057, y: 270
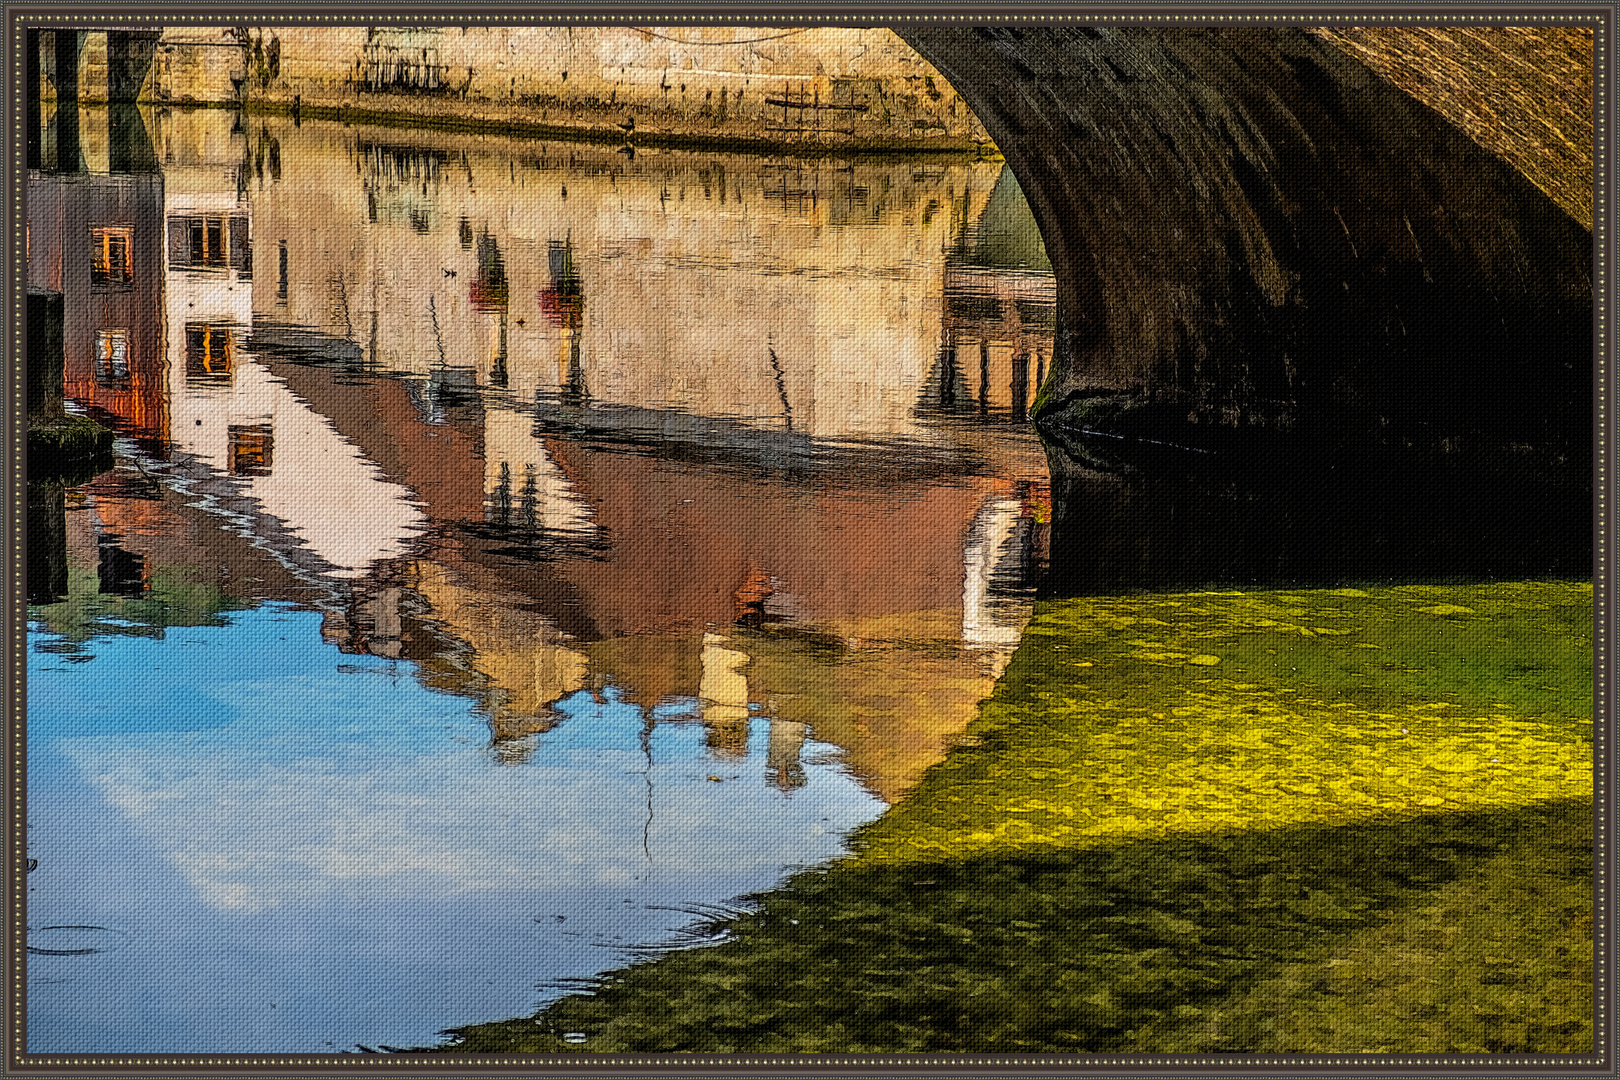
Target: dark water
x: 511, y: 550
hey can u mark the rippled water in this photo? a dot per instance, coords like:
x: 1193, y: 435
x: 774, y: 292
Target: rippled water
x: 513, y: 551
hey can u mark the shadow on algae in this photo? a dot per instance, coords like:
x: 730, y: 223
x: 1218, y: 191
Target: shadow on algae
x: 1332, y: 821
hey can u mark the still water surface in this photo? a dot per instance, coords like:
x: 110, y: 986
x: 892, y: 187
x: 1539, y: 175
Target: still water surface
x: 513, y: 549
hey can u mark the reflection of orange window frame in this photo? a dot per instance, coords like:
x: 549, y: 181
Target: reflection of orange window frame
x: 111, y: 346
x: 250, y: 446
x: 218, y: 353
x: 110, y: 262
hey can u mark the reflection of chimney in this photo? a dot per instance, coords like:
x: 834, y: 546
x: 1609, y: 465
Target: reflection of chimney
x: 782, y: 757
x: 724, y: 691
x: 750, y: 598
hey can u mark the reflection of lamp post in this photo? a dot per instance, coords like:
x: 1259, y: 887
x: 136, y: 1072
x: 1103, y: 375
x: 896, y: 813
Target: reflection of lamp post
x: 563, y: 304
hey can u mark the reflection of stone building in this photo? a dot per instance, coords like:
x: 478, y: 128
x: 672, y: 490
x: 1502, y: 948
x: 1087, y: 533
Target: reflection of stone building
x: 664, y: 476
x: 404, y: 269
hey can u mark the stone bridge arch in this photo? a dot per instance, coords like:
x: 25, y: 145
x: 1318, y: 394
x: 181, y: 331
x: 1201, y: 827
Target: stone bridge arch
x: 1251, y: 230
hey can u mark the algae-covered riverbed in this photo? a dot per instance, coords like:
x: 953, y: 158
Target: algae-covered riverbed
x: 1351, y: 820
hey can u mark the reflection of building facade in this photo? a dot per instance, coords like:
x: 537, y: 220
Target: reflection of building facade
x: 363, y: 345
x: 98, y: 240
x: 1000, y: 315
x: 458, y: 261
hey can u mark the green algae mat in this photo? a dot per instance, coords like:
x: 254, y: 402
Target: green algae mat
x: 1332, y: 821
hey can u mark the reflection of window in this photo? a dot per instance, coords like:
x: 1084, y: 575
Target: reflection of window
x: 281, y: 278
x: 210, y: 241
x: 109, y: 257
x: 112, y: 357
x: 210, y: 352
x: 250, y: 449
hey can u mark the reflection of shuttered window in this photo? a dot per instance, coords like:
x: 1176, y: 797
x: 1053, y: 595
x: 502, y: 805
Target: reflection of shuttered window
x: 112, y: 357
x: 207, y: 241
x: 250, y: 449
x: 241, y: 248
x: 210, y: 352
x: 109, y: 257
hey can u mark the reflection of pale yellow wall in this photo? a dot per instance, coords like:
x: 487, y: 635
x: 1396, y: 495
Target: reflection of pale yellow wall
x: 529, y: 666
x: 724, y: 688
x: 894, y: 706
x: 685, y: 297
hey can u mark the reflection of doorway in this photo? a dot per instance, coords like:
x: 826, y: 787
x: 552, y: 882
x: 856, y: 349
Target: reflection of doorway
x: 210, y: 353
x: 251, y: 446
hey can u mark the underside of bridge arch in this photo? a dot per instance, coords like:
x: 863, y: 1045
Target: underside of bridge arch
x: 1250, y: 228
x: 1256, y: 237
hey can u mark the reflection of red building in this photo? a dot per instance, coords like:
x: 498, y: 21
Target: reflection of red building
x: 98, y: 240
x: 695, y: 546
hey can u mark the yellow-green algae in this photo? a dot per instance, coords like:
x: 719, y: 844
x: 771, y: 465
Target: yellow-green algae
x: 1292, y: 821
x: 1124, y: 718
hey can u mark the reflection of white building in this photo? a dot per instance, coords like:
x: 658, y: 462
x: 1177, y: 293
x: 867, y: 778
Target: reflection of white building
x: 293, y: 463
x: 986, y: 620
x: 229, y: 413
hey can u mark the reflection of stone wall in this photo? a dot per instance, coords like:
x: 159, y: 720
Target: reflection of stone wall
x: 692, y: 271
x: 857, y: 83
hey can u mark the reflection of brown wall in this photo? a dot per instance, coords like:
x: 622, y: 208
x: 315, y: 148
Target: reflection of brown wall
x: 442, y: 463
x: 63, y: 213
x: 686, y: 541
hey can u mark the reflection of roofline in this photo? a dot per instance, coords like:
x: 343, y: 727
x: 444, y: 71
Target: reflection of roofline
x: 287, y: 341
x: 729, y: 443
x: 191, y: 476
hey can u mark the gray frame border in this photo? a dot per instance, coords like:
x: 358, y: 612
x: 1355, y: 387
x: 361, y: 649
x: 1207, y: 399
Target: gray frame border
x: 102, y: 15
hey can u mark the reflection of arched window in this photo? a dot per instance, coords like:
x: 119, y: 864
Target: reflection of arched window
x: 112, y: 357
x: 210, y: 352
x: 110, y: 265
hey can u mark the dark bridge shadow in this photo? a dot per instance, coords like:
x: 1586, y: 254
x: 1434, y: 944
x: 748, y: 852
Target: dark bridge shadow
x: 1370, y: 337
